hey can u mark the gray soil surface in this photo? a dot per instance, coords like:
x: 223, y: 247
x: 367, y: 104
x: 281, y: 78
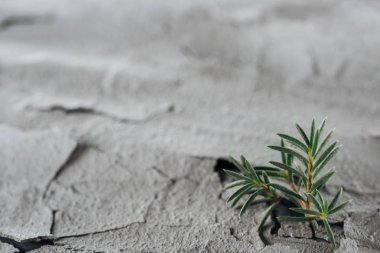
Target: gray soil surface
x: 116, y: 118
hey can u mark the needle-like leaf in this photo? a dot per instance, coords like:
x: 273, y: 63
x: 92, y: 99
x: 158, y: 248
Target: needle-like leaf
x: 315, y: 202
x: 315, y: 143
x: 289, y: 161
x: 312, y: 132
x: 329, y: 232
x: 266, y: 214
x: 289, y: 169
x: 325, y: 154
x: 303, y: 135
x: 305, y: 211
x: 335, y: 199
x: 294, y: 141
x: 322, y: 201
x: 292, y: 152
x: 286, y: 191
x: 277, y: 174
x: 266, y: 178
x: 249, y: 201
x: 339, y: 207
x: 266, y: 168
x: 283, y: 154
x: 239, y: 166
x: 322, y: 126
x: 323, y: 163
x: 238, y: 194
x: 249, y: 167
x: 237, y: 175
x: 234, y: 184
x: 324, y: 142
x: 322, y: 181
x: 294, y: 200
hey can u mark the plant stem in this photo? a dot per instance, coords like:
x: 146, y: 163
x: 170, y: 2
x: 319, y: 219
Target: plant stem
x: 310, y: 178
x: 309, y: 183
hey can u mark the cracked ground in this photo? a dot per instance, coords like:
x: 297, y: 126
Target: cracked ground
x: 116, y: 119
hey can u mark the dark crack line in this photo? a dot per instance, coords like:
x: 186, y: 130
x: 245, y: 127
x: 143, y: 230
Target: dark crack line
x: 162, y: 173
x: 52, y: 226
x: 27, y: 246
x: 96, y: 232
x: 113, y: 230
x: 77, y: 151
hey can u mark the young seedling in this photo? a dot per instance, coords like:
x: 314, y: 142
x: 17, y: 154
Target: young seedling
x: 297, y: 178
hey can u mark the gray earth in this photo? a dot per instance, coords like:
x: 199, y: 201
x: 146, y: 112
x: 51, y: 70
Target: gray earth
x: 117, y: 117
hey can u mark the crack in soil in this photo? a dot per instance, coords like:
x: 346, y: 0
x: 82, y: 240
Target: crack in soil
x: 75, y: 154
x: 27, y: 246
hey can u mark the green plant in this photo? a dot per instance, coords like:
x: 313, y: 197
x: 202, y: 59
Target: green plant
x: 297, y: 178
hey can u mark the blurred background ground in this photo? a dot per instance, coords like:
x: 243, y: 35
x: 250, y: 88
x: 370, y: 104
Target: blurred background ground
x: 115, y: 115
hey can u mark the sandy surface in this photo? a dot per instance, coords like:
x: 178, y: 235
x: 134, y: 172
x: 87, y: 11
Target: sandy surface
x: 116, y: 117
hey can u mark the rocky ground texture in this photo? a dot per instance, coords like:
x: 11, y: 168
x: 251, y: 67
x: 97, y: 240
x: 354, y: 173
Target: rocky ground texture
x: 116, y: 118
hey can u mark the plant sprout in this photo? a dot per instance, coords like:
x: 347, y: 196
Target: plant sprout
x: 298, y: 178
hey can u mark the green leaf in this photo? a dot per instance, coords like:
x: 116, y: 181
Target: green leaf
x: 295, y: 219
x: 289, y: 161
x: 319, y: 196
x: 325, y: 154
x: 322, y: 165
x: 234, y: 184
x: 329, y: 233
x: 322, y: 126
x: 249, y: 167
x: 292, y: 152
x: 266, y: 168
x: 315, y: 143
x: 303, y: 135
x: 312, y: 132
x: 286, y: 191
x: 267, y: 212
x: 249, y: 201
x: 238, y: 194
x: 238, y: 165
x: 283, y: 155
x: 305, y: 211
x: 289, y: 169
x: 335, y: 199
x: 277, y: 174
x: 322, y: 181
x: 240, y: 190
x: 315, y: 202
x: 294, y: 141
x: 266, y: 178
x: 322, y: 201
x: 237, y: 175
x: 324, y: 142
x: 339, y: 207
x: 294, y: 200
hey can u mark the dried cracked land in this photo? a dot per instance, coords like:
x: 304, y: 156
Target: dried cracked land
x: 116, y: 119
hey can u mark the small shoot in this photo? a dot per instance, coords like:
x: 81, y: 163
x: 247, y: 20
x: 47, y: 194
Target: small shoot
x: 297, y: 178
